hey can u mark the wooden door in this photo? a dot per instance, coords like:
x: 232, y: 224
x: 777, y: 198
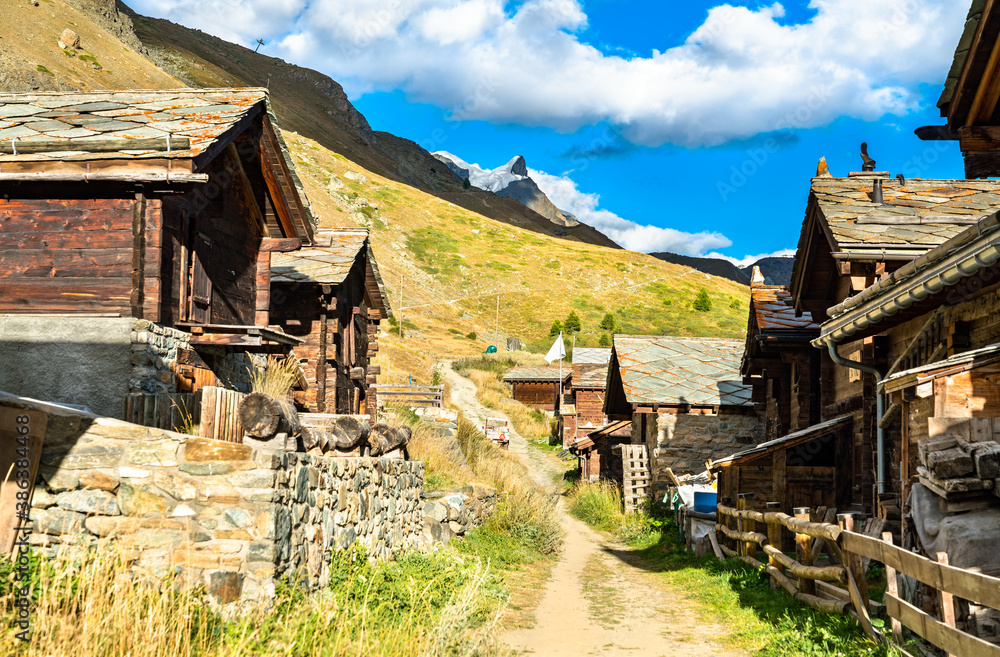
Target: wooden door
x: 200, y: 305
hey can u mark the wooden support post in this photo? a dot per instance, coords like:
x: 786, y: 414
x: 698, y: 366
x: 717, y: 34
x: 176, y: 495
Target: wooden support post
x: 892, y: 586
x: 262, y: 304
x: 749, y: 547
x: 853, y: 561
x: 774, y: 539
x: 947, y: 599
x: 803, y: 551
x: 321, y: 362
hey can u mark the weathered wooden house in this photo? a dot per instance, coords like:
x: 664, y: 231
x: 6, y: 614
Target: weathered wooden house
x: 137, y: 233
x: 937, y: 319
x: 331, y: 296
x: 595, y: 451
x: 779, y: 363
x: 971, y: 93
x: 859, y: 233
x: 685, y: 398
x: 583, y: 408
x: 538, y: 387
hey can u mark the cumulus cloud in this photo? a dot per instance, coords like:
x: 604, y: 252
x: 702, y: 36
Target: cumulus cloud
x: 565, y: 194
x: 742, y: 72
x: 750, y: 259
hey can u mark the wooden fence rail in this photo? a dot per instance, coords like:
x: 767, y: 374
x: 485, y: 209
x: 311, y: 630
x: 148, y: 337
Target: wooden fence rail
x: 849, y: 553
x: 409, y: 395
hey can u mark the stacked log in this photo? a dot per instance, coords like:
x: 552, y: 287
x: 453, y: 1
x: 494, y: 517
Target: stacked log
x: 385, y: 439
x: 337, y: 434
x: 275, y: 424
x: 264, y: 417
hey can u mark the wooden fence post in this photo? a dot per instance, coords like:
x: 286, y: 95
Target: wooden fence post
x: 846, y: 521
x: 749, y: 547
x: 947, y: 599
x: 892, y: 586
x: 727, y: 502
x: 803, y: 551
x: 774, y: 540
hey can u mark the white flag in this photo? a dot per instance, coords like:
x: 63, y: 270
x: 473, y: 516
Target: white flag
x: 558, y: 350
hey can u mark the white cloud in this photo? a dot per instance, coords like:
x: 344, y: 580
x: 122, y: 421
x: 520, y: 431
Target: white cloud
x: 742, y: 72
x: 750, y: 259
x: 563, y: 192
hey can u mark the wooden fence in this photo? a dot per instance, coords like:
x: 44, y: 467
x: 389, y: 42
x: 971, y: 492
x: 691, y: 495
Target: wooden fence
x: 174, y: 412
x: 840, y: 585
x: 409, y: 395
x: 220, y: 417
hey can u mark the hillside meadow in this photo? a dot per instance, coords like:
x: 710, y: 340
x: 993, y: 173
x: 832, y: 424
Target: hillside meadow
x: 445, y: 267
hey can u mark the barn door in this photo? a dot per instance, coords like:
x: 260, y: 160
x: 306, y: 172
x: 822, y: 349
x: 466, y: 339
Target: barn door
x: 200, y: 300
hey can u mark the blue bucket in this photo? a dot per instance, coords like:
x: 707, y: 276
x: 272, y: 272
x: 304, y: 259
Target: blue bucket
x: 705, y: 502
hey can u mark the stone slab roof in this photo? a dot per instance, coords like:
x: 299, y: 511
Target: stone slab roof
x: 772, y: 305
x: 961, y: 52
x: 670, y: 370
x: 791, y: 440
x: 328, y: 262
x: 591, y: 356
x: 916, y: 215
x: 539, y: 374
x: 590, y: 376
x: 202, y: 115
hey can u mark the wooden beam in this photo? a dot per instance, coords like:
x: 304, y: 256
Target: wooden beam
x: 262, y: 306
x: 972, y: 70
x: 979, y: 138
x: 95, y: 145
x: 245, y: 188
x: 138, y: 255
x: 978, y: 164
x: 280, y: 244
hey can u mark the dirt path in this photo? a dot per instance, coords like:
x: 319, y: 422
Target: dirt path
x: 596, y: 602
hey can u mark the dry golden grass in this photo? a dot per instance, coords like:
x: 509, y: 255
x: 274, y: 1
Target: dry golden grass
x: 277, y: 378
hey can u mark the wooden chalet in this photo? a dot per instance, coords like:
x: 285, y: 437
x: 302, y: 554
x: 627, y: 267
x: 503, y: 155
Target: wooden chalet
x: 331, y: 295
x: 860, y: 232
x: 137, y: 233
x: 971, y: 93
x: 583, y: 408
x: 538, y: 387
x: 778, y: 361
x: 685, y: 398
x: 937, y: 317
x: 595, y: 451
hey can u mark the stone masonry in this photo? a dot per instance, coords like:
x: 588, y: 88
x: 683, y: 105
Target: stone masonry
x: 222, y: 514
x: 683, y: 441
x: 154, y: 359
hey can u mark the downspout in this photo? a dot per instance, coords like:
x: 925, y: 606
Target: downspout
x: 879, y: 411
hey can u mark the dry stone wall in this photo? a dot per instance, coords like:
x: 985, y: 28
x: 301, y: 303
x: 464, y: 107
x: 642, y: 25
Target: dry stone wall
x: 221, y: 514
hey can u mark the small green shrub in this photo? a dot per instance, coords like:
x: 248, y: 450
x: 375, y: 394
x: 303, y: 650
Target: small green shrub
x: 471, y: 335
x: 702, y: 303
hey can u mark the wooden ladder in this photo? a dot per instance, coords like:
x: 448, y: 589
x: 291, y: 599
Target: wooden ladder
x: 636, y: 477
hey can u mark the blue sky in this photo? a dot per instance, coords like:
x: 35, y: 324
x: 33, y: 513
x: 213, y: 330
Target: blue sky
x: 685, y: 126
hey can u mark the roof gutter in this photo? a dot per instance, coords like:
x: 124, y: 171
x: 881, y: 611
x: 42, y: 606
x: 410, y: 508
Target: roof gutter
x: 879, y: 410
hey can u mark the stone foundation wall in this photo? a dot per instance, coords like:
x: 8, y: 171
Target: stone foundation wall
x: 222, y: 514
x: 683, y: 441
x: 154, y: 360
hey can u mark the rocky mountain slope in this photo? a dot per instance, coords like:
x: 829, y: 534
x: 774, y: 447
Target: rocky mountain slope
x: 510, y: 180
x: 776, y: 270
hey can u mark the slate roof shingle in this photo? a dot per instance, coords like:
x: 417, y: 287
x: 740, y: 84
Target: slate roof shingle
x: 540, y: 374
x: 671, y: 370
x: 937, y: 210
x: 328, y: 262
x: 202, y: 115
x: 591, y: 356
x: 772, y: 305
